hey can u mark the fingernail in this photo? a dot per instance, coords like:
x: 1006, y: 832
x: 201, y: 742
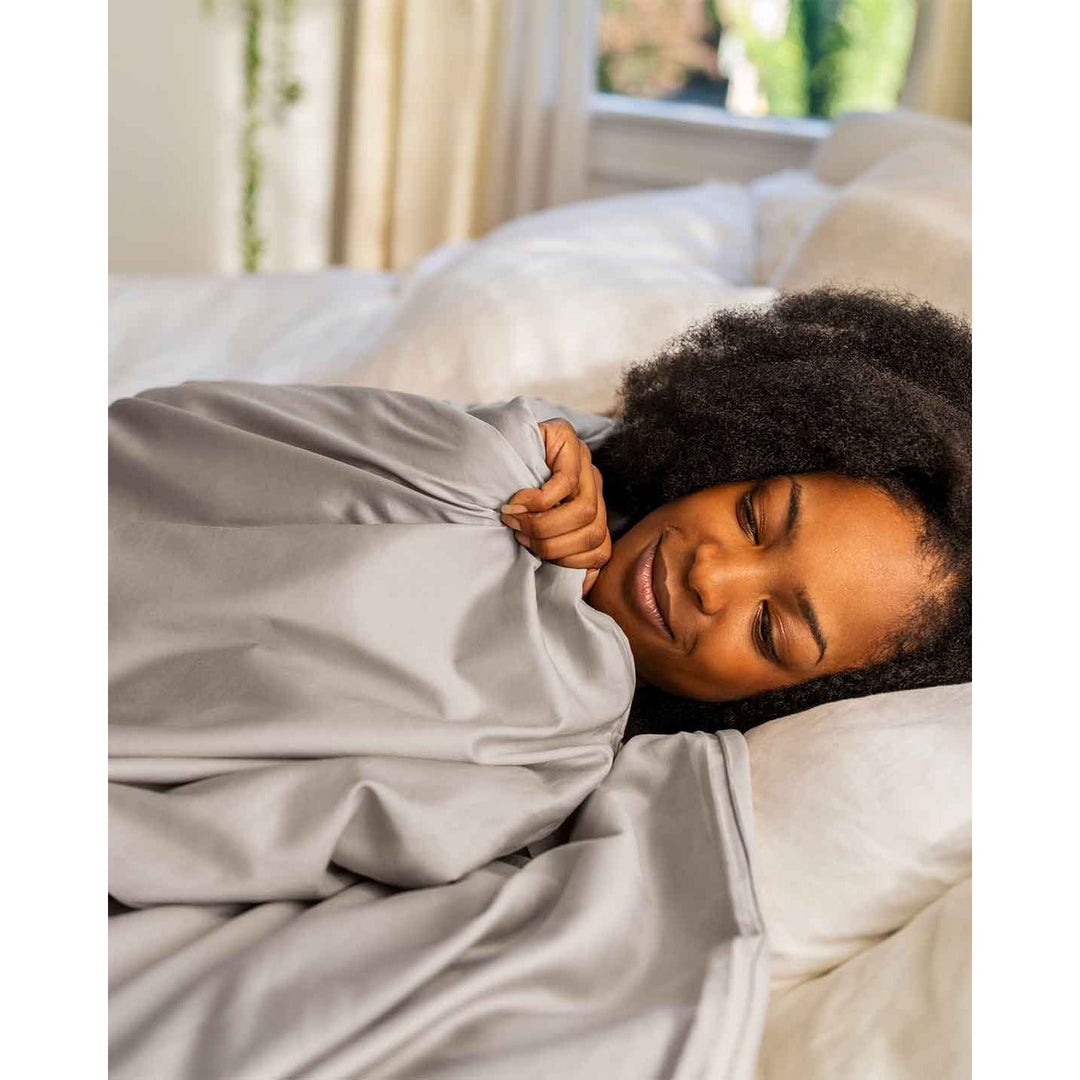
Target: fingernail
x: 511, y: 521
x: 514, y: 508
x: 522, y: 539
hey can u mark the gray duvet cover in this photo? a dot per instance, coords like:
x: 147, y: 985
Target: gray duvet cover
x: 341, y: 696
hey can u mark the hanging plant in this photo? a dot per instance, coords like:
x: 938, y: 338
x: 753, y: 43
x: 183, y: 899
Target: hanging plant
x: 287, y: 91
x: 287, y: 88
x: 252, y: 242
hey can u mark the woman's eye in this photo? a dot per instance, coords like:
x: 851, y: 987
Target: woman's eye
x: 751, y: 526
x: 763, y: 632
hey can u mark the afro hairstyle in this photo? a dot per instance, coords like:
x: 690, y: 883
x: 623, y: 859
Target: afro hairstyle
x: 872, y: 385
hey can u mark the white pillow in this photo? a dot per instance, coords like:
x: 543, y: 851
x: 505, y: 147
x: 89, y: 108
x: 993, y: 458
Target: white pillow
x: 862, y: 819
x: 899, y: 1011
x: 556, y: 304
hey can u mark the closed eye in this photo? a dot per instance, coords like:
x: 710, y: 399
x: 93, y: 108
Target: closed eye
x: 762, y: 633
x: 747, y: 516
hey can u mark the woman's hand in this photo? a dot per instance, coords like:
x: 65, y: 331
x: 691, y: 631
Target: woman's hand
x: 565, y: 521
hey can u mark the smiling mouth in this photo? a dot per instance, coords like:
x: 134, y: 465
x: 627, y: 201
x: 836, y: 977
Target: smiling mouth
x: 645, y: 593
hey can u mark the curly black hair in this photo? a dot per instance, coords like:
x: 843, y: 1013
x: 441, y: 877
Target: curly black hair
x: 873, y: 385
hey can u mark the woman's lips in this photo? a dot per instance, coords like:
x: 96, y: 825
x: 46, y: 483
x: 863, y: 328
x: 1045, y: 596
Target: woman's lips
x: 643, y: 593
x: 660, y: 587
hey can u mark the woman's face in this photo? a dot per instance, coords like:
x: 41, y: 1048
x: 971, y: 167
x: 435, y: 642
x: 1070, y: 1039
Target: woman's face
x: 755, y: 586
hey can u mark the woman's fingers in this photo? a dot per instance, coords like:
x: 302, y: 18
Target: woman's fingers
x: 574, y: 534
x: 589, y: 582
x: 593, y: 559
x: 565, y: 521
x: 577, y: 512
x: 579, y: 550
x: 571, y: 519
x: 564, y: 453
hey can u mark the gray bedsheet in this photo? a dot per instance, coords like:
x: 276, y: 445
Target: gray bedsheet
x: 328, y: 657
x: 341, y: 696
x: 634, y: 951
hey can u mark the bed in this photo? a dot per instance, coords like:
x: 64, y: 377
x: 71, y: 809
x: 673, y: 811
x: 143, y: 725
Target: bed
x: 846, y: 858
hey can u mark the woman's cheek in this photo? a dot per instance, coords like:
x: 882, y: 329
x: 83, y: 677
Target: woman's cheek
x: 722, y: 671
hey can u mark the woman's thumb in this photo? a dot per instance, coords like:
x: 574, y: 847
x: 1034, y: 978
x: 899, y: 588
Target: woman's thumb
x: 590, y: 581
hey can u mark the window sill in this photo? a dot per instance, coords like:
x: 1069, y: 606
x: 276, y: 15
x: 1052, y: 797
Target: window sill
x: 637, y: 144
x: 704, y: 118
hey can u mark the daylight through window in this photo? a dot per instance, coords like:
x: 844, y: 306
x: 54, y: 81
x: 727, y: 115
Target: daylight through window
x: 758, y: 57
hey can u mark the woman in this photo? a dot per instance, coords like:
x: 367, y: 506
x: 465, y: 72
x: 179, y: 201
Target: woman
x: 327, y: 655
x: 333, y: 669
x: 790, y: 494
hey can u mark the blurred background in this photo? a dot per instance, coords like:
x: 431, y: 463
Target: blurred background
x: 249, y: 135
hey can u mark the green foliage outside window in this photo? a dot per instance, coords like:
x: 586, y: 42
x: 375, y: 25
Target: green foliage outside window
x: 830, y: 57
x: 650, y: 48
x: 871, y: 67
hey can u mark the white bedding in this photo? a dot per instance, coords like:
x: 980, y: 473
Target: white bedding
x: 554, y: 305
x: 167, y: 328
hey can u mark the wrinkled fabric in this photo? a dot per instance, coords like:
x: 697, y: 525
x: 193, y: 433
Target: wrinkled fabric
x: 328, y: 657
x: 633, y: 950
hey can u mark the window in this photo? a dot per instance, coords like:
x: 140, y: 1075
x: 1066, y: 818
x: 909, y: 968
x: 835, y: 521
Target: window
x: 794, y: 58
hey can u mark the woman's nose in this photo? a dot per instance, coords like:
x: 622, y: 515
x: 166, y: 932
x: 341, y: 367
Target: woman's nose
x: 721, y: 576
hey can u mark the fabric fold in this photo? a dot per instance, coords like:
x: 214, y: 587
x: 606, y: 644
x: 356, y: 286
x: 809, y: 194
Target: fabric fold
x: 313, y: 583
x: 635, y: 950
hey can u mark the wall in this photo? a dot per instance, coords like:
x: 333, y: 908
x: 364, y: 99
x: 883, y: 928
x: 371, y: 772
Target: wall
x: 174, y: 125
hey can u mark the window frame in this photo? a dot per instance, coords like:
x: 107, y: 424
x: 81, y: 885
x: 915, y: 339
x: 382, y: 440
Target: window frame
x: 637, y: 143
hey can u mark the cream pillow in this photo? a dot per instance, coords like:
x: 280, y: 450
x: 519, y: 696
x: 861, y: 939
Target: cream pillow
x: 904, y: 224
x: 787, y: 204
x: 862, y: 819
x: 899, y: 1011
x: 556, y: 304
x: 859, y: 140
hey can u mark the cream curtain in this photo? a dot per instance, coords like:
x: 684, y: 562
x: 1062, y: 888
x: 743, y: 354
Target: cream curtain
x: 458, y: 115
x: 939, y: 77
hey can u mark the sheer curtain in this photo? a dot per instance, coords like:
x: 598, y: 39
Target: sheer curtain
x: 939, y: 76
x: 458, y: 115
